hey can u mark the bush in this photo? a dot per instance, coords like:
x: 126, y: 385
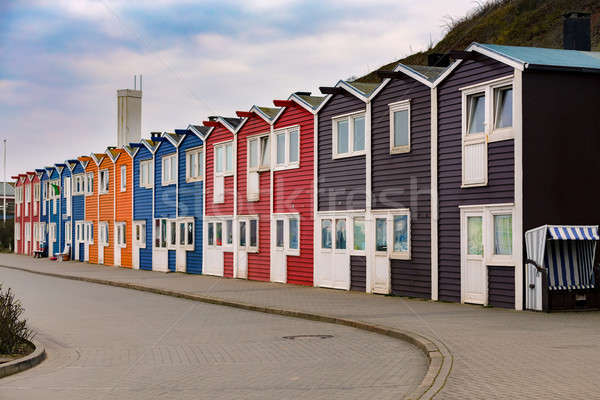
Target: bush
x: 14, y: 331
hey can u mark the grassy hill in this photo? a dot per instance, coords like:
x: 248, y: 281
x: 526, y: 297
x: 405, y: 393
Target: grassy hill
x: 511, y: 22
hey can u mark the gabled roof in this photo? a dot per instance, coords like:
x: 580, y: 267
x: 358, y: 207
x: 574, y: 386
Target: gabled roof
x: 173, y: 138
x: 150, y: 144
x: 113, y: 153
x: 531, y: 57
x: 271, y: 112
x: 97, y: 157
x: 312, y: 101
x: 131, y: 150
x: 232, y: 122
x: 365, y: 88
x: 200, y: 130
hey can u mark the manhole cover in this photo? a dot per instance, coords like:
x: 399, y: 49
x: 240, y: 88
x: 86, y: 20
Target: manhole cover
x: 305, y: 337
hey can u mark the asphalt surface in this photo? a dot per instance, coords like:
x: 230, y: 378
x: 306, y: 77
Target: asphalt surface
x: 112, y: 343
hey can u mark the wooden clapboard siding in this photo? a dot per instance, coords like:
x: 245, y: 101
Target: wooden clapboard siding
x: 218, y: 135
x: 259, y: 264
x: 500, y: 188
x: 165, y: 197
x: 191, y: 203
x: 358, y: 273
x: 124, y: 204
x: 293, y: 192
x: 43, y: 217
x: 404, y: 180
x: 35, y: 217
x: 142, y: 206
x: 19, y: 219
x: 54, y: 217
x: 91, y: 209
x: 66, y: 173
x: 228, y: 264
x: 501, y: 286
x: 341, y: 181
x: 106, y: 211
x: 78, y: 210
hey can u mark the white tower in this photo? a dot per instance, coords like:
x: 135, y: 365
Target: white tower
x: 129, y: 116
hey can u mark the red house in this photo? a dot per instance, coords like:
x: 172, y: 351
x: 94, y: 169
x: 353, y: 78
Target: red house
x: 253, y: 253
x: 19, y: 213
x: 32, y: 205
x: 219, y: 198
x: 293, y: 174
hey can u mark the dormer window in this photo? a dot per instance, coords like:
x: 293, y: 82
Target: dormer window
x: 503, y: 107
x: 259, y: 153
x: 348, y: 135
x: 400, y: 127
x: 476, y: 113
x: 224, y: 158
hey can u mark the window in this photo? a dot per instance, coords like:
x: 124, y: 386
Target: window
x: 181, y: 233
x: 475, y: 236
x: 224, y: 158
x: 172, y: 234
x: 89, y: 187
x: 229, y: 229
x: 219, y: 233
x: 185, y: 233
x: 211, y: 233
x: 503, y: 107
x: 67, y: 192
x: 103, y: 181
x: 359, y: 233
x: 79, y: 184
x: 476, y: 113
x: 400, y: 232
x: 294, y: 233
x: 120, y: 234
x: 146, y: 174
x: 288, y: 148
x: 503, y: 234
x: 326, y: 234
x: 279, y: 227
x: 36, y: 192
x: 139, y: 234
x: 392, y: 234
x: 190, y: 233
x: 67, y: 232
x: 400, y: 127
x: 287, y: 233
x: 348, y: 135
x: 249, y: 234
x: 194, y: 160
x: 104, y: 234
x: 123, y: 178
x: 160, y: 233
x: 259, y: 153
x: 380, y: 234
x: 169, y: 169
x: 340, y: 233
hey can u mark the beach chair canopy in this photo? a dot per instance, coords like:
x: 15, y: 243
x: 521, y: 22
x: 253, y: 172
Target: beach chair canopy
x: 567, y: 253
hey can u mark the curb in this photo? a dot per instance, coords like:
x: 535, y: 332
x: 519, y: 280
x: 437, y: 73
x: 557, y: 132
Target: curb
x: 437, y: 372
x: 21, y: 364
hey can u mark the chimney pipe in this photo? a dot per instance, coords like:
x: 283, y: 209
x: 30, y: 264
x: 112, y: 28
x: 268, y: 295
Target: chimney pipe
x: 576, y: 31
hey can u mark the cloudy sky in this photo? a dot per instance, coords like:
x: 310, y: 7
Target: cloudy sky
x: 61, y: 61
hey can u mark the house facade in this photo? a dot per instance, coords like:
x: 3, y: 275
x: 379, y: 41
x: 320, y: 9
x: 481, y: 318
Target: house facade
x: 90, y: 224
x: 55, y: 238
x: 124, y: 235
x: 78, y: 182
x: 19, y: 218
x: 106, y: 205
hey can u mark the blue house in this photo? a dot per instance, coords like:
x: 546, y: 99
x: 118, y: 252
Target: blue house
x: 43, y: 177
x: 190, y: 199
x: 65, y: 231
x: 143, y: 203
x: 78, y: 180
x: 166, y: 166
x: 54, y: 210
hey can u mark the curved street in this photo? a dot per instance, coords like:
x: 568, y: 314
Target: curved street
x: 104, y: 342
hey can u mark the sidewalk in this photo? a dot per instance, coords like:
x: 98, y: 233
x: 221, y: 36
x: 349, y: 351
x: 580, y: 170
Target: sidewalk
x: 494, y: 353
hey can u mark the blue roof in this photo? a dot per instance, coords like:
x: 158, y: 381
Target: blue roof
x: 547, y: 57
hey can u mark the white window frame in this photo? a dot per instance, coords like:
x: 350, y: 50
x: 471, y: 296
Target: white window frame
x: 403, y: 105
x: 260, y: 166
x: 225, y: 171
x: 287, y: 164
x: 172, y: 223
x: 123, y: 177
x: 148, y: 182
x: 121, y: 234
x: 68, y: 232
x: 350, y: 238
x: 157, y: 234
x: 196, y: 153
x: 334, y: 132
x: 89, y: 183
x: 389, y: 216
x: 103, y: 181
x: 141, y: 243
x: 27, y: 199
x: 488, y: 251
x: 247, y: 219
x: 334, y: 249
x: 286, y: 217
x: 17, y: 231
x: 186, y: 246
x: 222, y: 219
x: 171, y: 161
x: 78, y: 181
x: 103, y: 234
x: 67, y: 194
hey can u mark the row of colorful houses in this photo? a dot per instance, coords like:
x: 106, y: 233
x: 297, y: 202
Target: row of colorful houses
x: 420, y: 185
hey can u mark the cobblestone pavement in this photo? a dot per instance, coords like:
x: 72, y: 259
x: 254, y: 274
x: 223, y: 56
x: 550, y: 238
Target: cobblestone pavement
x: 499, y: 354
x: 105, y: 342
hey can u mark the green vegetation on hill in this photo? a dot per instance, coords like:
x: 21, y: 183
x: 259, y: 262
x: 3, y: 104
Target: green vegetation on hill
x: 535, y: 23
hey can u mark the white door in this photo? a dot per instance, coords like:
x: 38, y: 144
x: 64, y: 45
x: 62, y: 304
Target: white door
x: 278, y: 256
x: 101, y: 240
x: 100, y: 253
x: 332, y: 255
x: 118, y: 227
x: 180, y: 251
x: 382, y: 271
x: 51, y: 239
x: 474, y: 271
x: 242, y: 265
x: 213, y: 262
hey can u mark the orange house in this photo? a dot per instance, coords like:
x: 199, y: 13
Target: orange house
x: 106, y: 205
x: 123, y: 192
x: 87, y: 230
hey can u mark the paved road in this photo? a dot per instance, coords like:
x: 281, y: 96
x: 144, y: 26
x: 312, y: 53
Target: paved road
x: 112, y: 343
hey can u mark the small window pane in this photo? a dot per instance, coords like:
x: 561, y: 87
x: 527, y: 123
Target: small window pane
x: 401, y: 128
x: 342, y: 136
x: 242, y: 233
x: 340, y: 234
x: 326, y: 234
x: 253, y: 153
x: 359, y: 233
x: 182, y: 233
x: 504, y: 105
x: 281, y: 149
x: 219, y: 229
x: 229, y: 224
x: 294, y: 146
x: 359, y: 134
x: 137, y: 233
x: 163, y: 232
x: 229, y: 157
x: 476, y: 113
x: 157, y: 233
x: 279, y: 233
x: 381, y: 234
x: 211, y: 234
x: 503, y: 234
x: 400, y: 233
x: 293, y: 225
x: 474, y: 236
x: 201, y: 164
x: 253, y: 233
x: 265, y: 151
x: 173, y: 241
x: 190, y: 233
x: 173, y: 168
x: 219, y: 153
